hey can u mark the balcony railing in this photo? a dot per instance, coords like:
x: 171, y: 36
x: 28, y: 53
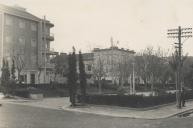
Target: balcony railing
x: 49, y: 36
x: 48, y: 66
x: 50, y: 52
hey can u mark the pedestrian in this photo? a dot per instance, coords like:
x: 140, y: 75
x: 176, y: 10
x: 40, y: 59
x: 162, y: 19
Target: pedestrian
x: 183, y: 97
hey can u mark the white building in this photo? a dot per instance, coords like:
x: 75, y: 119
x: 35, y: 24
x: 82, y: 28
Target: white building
x: 116, y: 64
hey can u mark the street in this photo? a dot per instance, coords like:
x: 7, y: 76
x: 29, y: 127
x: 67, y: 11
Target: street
x: 18, y: 116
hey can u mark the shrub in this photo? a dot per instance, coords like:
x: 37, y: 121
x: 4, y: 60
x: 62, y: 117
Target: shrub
x: 137, y: 101
x: 129, y: 100
x: 48, y: 90
x: 22, y: 93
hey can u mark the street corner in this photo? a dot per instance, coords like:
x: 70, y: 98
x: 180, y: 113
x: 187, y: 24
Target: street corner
x: 183, y: 113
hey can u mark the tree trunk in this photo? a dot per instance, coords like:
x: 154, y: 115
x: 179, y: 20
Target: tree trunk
x: 19, y: 76
x: 152, y: 84
x: 100, y: 88
x: 39, y: 77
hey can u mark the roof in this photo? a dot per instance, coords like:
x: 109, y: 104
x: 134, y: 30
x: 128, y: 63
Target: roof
x: 88, y: 56
x: 114, y: 48
x: 18, y: 11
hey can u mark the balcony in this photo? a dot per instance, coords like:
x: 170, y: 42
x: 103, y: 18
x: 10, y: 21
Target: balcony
x: 49, y: 36
x: 48, y: 66
x: 50, y: 52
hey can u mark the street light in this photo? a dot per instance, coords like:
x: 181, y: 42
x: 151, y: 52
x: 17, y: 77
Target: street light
x: 133, y: 78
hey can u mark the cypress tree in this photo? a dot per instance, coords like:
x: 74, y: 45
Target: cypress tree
x: 13, y: 70
x: 5, y: 76
x: 7, y: 71
x: 82, y: 77
x: 72, y: 77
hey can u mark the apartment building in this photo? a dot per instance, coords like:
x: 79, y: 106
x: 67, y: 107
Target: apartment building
x: 26, y: 39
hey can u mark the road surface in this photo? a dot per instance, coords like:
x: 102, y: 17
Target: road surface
x: 18, y: 116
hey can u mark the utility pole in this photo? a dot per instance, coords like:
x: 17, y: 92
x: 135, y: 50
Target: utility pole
x: 179, y: 33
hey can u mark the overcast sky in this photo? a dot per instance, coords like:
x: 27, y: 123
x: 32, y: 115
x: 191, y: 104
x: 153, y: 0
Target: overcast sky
x: 90, y: 23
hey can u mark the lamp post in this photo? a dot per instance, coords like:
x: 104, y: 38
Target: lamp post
x: 133, y: 77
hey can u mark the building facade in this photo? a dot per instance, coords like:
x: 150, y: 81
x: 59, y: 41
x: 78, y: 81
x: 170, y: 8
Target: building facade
x: 26, y: 39
x: 88, y: 59
x: 113, y: 64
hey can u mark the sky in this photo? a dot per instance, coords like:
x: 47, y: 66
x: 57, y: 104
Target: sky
x: 135, y: 24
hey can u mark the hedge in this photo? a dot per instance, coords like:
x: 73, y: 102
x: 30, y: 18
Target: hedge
x: 21, y: 93
x: 48, y: 90
x: 134, y: 101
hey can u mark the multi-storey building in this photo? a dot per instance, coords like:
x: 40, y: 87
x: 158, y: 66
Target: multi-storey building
x: 113, y: 64
x: 26, y: 39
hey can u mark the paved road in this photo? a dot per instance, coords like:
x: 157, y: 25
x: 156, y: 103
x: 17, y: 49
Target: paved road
x: 18, y: 116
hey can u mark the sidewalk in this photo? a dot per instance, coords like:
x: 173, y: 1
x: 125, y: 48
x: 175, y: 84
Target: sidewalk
x: 158, y: 113
x: 63, y: 104
x: 50, y: 103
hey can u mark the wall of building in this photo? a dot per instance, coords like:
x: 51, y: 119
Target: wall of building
x: 116, y: 64
x: 1, y: 37
x: 21, y: 36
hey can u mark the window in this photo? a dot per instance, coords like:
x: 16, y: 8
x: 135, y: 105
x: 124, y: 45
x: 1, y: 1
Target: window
x: 89, y: 67
x: 33, y: 43
x: 24, y: 78
x: 8, y: 39
x: 8, y: 20
x: 21, y: 40
x: 7, y: 53
x: 32, y: 76
x: 47, y: 30
x: 33, y: 60
x: 21, y: 24
x: 33, y: 27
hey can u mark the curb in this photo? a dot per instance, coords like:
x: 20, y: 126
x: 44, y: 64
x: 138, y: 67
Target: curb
x: 109, y: 115
x: 65, y: 108
x: 78, y: 109
x: 136, y: 109
x: 180, y: 113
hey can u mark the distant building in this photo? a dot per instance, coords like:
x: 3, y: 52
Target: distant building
x: 112, y: 59
x: 116, y: 63
x: 88, y: 59
x: 26, y: 38
x: 60, y: 71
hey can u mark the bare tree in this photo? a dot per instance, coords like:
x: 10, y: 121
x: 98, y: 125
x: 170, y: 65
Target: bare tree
x: 141, y: 67
x: 61, y: 65
x: 99, y: 72
x: 20, y: 64
x: 40, y: 69
x: 152, y: 66
x: 124, y: 69
x: 173, y: 62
